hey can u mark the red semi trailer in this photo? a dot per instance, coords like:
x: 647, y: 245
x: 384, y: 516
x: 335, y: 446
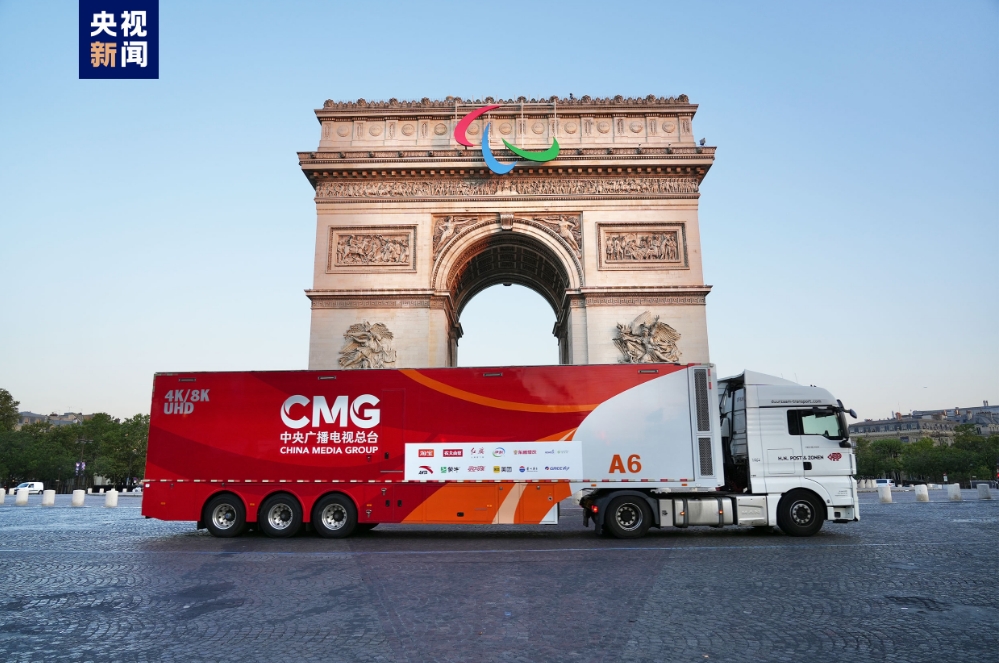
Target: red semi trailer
x: 347, y: 450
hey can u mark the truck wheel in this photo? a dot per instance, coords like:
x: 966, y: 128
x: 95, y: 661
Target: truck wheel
x: 799, y: 513
x: 334, y: 517
x: 628, y: 517
x: 224, y: 516
x: 280, y: 516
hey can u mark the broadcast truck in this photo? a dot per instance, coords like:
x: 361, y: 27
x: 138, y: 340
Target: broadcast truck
x: 638, y: 445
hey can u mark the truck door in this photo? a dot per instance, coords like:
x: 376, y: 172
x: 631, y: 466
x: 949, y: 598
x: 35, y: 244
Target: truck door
x: 821, y: 432
x: 781, y: 448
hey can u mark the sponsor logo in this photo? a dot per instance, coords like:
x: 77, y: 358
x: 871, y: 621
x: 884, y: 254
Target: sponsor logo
x: 557, y: 468
x: 524, y: 452
x: 426, y: 453
x: 322, y: 412
x: 453, y: 453
x: 496, y: 469
x: 476, y: 468
x: 477, y: 453
x: 835, y: 456
x: 425, y: 469
x: 539, y: 156
x: 498, y: 452
x: 523, y: 469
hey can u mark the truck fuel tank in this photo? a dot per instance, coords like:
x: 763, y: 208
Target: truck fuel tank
x: 686, y: 511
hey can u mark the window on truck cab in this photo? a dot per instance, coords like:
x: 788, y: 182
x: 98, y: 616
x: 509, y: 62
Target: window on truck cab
x: 808, y: 422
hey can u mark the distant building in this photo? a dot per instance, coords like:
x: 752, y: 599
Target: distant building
x: 984, y: 418
x: 64, y: 419
x: 938, y: 425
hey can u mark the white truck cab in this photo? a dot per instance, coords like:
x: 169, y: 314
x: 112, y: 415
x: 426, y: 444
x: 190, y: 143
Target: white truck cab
x: 750, y: 450
x: 781, y: 437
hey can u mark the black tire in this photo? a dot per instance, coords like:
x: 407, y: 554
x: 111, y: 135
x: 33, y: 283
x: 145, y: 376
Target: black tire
x: 224, y: 516
x: 800, y: 513
x: 280, y: 516
x: 365, y: 527
x: 627, y: 517
x: 335, y: 517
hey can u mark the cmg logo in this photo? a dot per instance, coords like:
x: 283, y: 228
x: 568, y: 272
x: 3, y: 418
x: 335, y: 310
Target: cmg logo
x: 324, y: 413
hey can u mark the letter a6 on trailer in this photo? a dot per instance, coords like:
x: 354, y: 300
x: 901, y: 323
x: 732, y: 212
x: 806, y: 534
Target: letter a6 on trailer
x: 653, y: 445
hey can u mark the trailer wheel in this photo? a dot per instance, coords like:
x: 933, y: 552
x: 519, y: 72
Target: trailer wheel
x: 799, y: 513
x: 628, y: 517
x: 224, y: 516
x: 280, y: 516
x: 334, y: 517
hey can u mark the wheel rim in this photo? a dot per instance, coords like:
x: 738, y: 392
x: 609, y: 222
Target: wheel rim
x: 280, y: 516
x: 334, y: 517
x: 802, y: 513
x: 224, y: 516
x: 628, y: 517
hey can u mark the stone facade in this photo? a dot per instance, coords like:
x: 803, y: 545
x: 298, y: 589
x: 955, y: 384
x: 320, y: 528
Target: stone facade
x: 411, y: 225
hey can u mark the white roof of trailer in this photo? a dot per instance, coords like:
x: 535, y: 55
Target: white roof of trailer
x: 752, y: 377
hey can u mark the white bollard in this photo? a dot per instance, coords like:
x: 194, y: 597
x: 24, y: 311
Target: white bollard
x: 884, y: 494
x: 3, y: 496
x: 78, y: 497
x: 90, y: 491
x: 954, y: 492
x: 12, y: 491
x: 111, y: 498
x: 983, y: 492
x: 48, y: 498
x: 921, y: 493
x: 102, y: 491
x: 22, y: 497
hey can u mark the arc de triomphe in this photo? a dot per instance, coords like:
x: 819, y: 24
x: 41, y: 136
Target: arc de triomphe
x: 411, y: 225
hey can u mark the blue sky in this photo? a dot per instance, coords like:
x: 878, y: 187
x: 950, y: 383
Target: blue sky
x: 850, y: 224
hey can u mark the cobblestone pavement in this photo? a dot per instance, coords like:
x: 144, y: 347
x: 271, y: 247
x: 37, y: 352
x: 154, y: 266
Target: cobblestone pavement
x: 910, y: 582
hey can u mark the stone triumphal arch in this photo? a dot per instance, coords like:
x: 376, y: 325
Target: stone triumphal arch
x: 411, y: 225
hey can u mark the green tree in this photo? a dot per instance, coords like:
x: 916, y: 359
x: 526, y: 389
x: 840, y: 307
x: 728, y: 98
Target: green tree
x: 8, y: 411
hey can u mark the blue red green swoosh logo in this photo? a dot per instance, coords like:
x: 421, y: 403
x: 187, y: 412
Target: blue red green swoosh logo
x: 539, y: 156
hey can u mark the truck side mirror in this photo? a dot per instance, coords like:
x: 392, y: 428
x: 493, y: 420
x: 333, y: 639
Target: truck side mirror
x: 726, y: 427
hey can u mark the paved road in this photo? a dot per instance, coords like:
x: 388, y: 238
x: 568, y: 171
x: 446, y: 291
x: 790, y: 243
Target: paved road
x: 910, y: 582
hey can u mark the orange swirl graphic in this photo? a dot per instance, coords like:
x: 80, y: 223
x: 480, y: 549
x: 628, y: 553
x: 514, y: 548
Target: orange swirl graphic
x: 461, y: 394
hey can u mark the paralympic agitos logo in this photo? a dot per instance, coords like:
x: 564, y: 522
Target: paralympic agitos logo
x: 487, y: 153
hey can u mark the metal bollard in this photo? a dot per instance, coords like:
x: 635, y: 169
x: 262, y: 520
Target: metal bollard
x: 884, y: 494
x: 983, y: 492
x: 48, y: 498
x: 954, y: 492
x: 111, y: 498
x: 78, y: 497
x: 22, y: 497
x: 921, y: 493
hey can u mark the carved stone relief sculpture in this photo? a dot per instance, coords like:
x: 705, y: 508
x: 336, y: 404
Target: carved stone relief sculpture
x: 639, y: 246
x: 647, y: 340
x: 564, y: 226
x: 367, y: 346
x: 632, y: 186
x: 353, y: 248
x: 642, y: 246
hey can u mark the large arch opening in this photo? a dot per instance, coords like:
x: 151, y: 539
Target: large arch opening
x: 507, y: 326
x: 522, y: 256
